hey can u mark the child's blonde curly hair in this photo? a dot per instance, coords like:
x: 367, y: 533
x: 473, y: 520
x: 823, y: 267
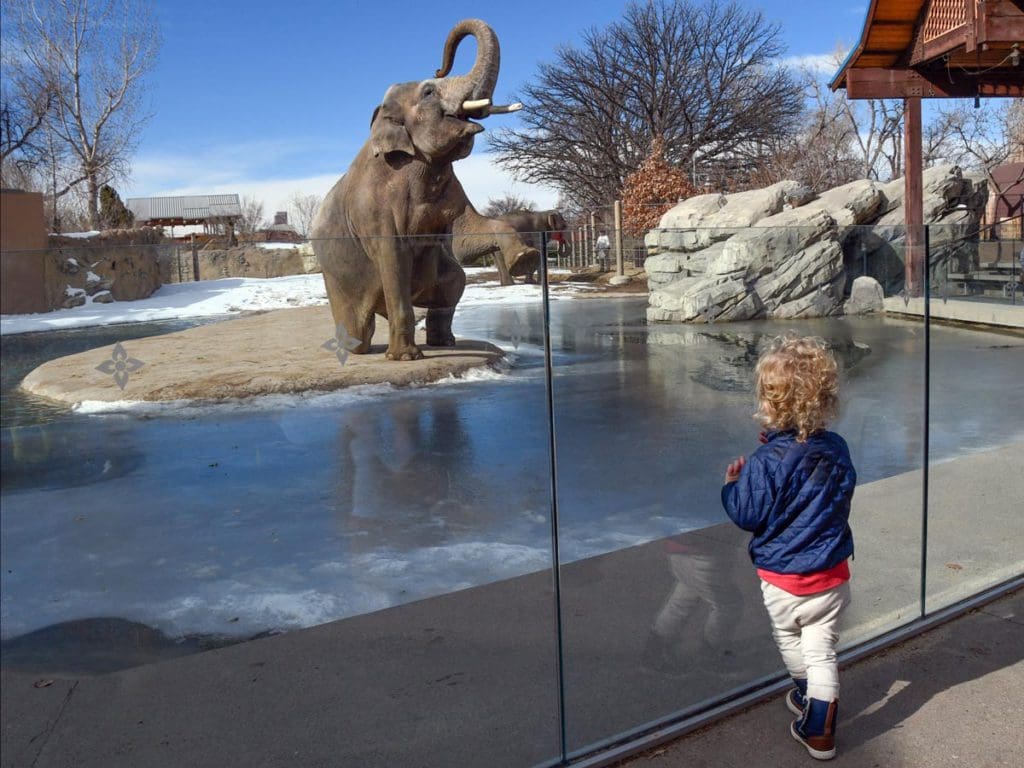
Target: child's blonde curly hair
x: 797, y: 385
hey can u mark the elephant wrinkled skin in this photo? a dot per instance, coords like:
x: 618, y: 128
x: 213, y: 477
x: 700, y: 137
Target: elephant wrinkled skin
x: 390, y: 234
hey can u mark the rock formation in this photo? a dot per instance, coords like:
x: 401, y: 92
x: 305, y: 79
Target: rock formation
x: 114, y: 265
x: 780, y: 252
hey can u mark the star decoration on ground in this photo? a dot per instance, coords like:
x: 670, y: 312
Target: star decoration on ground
x: 120, y: 366
x: 341, y: 344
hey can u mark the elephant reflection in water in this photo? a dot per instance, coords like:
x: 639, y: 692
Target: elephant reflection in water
x: 696, y: 626
x: 404, y: 478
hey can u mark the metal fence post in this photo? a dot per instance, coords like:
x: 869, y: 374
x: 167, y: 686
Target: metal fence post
x: 195, y: 258
x: 620, y: 267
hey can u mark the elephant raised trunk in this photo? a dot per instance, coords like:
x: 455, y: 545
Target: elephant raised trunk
x: 479, y: 84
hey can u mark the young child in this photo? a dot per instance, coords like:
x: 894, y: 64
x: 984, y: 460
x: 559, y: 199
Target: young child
x: 793, y: 494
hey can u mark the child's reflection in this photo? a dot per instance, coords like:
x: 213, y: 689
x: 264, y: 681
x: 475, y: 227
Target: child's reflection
x: 696, y: 625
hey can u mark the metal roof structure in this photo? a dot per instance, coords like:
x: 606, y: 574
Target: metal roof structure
x: 190, y: 209
x: 937, y: 49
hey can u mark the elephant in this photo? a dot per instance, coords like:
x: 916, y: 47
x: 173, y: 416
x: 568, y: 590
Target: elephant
x: 530, y: 223
x: 391, y: 232
x: 533, y: 223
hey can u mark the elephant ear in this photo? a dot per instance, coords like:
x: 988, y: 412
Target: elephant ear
x: 388, y: 134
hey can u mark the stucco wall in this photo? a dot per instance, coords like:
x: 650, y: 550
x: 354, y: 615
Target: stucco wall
x: 22, y: 252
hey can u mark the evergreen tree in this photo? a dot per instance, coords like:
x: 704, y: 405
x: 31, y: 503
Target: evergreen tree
x: 113, y: 213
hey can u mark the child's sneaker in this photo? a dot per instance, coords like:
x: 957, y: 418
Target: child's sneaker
x: 816, y: 730
x: 796, y: 697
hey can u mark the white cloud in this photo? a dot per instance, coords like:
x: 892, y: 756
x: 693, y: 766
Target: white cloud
x: 248, y: 170
x: 819, y: 63
x: 483, y: 180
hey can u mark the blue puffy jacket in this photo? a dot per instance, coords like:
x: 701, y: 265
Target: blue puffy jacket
x: 795, y: 498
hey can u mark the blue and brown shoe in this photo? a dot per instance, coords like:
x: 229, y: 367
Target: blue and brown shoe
x: 816, y: 729
x: 796, y: 697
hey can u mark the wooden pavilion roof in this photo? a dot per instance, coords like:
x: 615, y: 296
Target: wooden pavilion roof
x: 937, y: 49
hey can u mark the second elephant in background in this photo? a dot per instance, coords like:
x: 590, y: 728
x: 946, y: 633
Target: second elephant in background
x: 530, y: 225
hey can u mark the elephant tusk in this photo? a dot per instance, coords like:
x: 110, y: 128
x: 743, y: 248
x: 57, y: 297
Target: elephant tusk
x: 475, y: 104
x: 506, y: 108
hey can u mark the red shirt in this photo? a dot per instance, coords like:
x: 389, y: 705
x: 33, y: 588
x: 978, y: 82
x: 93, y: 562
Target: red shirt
x: 808, y: 583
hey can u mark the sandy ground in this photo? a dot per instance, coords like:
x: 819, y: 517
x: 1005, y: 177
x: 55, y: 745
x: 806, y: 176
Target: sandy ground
x: 277, y: 352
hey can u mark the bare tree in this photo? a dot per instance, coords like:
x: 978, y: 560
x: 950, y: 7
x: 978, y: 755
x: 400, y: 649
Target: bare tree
x: 986, y: 137
x: 95, y: 54
x: 251, y: 219
x: 821, y: 154
x: 507, y: 203
x: 304, y: 208
x: 877, y: 129
x: 26, y: 98
x: 702, y: 76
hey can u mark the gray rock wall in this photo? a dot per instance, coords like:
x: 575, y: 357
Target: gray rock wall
x: 778, y: 252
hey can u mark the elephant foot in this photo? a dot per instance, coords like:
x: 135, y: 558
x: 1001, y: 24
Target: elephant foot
x: 406, y: 353
x: 439, y: 328
x: 440, y: 340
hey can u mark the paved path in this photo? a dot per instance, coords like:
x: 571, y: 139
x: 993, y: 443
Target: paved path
x: 950, y: 697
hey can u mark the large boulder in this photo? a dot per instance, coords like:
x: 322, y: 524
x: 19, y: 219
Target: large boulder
x: 698, y: 222
x: 855, y: 203
x: 775, y: 253
x: 865, y: 296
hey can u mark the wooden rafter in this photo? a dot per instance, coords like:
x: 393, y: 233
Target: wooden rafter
x: 937, y: 49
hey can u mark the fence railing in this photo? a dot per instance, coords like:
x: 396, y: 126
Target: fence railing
x: 418, y: 562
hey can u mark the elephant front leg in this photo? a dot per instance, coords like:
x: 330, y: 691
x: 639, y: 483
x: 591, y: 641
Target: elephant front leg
x: 395, y: 267
x: 504, y: 277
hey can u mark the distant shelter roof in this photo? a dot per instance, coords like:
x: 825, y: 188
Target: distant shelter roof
x: 189, y: 209
x: 937, y: 49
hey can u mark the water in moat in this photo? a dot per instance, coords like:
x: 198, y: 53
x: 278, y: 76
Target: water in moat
x: 226, y: 522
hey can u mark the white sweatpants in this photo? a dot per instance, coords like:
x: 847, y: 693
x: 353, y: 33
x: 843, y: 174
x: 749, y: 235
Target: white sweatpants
x: 806, y: 630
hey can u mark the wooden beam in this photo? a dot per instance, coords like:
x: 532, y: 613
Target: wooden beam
x: 891, y: 83
x: 999, y: 21
x: 947, y: 42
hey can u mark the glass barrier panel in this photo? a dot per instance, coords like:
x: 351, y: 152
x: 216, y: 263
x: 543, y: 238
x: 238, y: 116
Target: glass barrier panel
x: 214, y: 500
x: 653, y: 398
x: 975, y: 422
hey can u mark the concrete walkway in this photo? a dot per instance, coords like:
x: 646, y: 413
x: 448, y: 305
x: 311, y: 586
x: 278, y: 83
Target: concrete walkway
x: 952, y: 696
x: 998, y: 314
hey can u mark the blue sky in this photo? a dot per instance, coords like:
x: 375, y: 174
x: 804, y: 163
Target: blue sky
x: 269, y: 99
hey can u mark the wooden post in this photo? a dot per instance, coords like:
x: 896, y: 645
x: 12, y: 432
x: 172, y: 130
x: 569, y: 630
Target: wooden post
x: 913, y: 198
x: 195, y: 258
x: 593, y: 237
x: 620, y: 268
